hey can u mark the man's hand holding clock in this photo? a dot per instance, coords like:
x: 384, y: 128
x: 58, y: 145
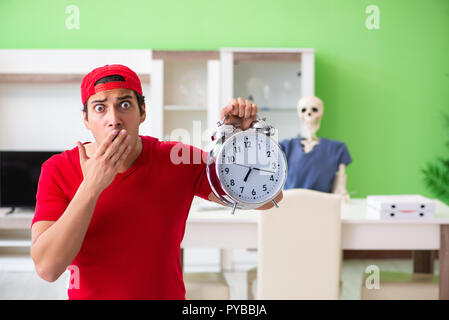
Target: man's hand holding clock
x: 241, y: 114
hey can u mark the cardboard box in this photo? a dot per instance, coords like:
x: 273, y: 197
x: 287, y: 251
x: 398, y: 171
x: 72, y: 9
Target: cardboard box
x: 393, y: 207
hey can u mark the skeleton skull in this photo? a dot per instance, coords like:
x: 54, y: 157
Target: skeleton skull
x: 310, y: 110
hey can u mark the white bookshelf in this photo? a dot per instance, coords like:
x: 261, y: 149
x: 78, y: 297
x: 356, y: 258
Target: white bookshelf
x: 184, y: 108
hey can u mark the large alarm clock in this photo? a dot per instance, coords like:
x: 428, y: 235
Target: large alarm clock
x: 246, y: 169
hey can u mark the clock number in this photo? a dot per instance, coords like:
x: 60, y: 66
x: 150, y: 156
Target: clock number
x: 264, y: 187
x: 231, y: 159
x: 247, y: 144
x: 274, y: 165
x: 272, y: 178
x: 241, y: 190
x: 253, y: 192
x: 237, y: 148
x: 232, y: 182
x: 226, y: 170
x: 268, y: 154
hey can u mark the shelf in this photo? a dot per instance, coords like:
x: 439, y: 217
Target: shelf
x: 16, y: 262
x: 277, y: 109
x: 184, y: 108
x: 186, y: 55
x: 15, y: 220
x: 39, y: 78
x: 50, y: 77
x: 15, y: 243
x: 267, y: 57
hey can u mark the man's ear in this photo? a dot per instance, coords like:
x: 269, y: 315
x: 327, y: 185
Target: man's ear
x: 144, y: 113
x: 86, y: 122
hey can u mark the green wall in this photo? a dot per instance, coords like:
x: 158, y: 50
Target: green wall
x: 384, y: 90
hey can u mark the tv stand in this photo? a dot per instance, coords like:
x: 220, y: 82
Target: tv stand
x: 17, y: 210
x: 20, y: 219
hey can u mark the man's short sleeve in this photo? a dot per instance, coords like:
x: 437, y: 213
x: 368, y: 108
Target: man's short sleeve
x: 201, y: 183
x: 50, y: 199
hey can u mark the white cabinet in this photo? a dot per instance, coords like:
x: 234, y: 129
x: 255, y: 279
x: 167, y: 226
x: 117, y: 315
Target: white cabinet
x: 275, y: 79
x: 185, y: 95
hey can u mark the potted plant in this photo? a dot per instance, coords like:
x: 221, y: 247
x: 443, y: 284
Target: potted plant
x: 436, y: 174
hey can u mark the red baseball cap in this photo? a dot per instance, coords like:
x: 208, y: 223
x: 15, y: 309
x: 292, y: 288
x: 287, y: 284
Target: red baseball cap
x: 88, y: 87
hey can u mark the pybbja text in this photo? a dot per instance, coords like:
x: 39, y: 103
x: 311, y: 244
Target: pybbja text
x: 240, y: 309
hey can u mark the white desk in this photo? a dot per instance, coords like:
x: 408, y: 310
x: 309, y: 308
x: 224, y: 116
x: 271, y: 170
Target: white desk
x: 220, y: 229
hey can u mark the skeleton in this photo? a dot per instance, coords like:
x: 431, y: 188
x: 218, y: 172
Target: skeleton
x: 310, y: 111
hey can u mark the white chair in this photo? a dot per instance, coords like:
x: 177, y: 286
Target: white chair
x: 299, y: 248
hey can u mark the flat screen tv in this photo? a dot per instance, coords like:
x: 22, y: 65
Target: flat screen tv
x: 19, y: 177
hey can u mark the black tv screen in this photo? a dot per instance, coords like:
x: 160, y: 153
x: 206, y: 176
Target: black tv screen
x: 19, y: 177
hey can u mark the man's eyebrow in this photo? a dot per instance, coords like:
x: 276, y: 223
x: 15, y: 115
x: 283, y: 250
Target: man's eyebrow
x: 95, y: 101
x: 124, y: 97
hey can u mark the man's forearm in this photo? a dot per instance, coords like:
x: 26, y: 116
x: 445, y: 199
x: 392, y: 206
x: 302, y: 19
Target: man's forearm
x: 56, y: 247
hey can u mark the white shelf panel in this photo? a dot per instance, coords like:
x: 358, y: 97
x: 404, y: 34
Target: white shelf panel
x: 17, y: 220
x: 71, y: 61
x: 184, y: 108
x: 16, y: 263
x: 39, y: 78
x: 280, y: 50
x: 15, y: 243
x: 277, y: 109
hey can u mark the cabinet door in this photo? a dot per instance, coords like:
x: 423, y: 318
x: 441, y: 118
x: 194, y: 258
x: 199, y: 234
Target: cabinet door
x: 274, y: 80
x: 186, y: 98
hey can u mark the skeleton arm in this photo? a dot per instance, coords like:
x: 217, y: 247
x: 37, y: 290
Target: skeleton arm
x: 340, y: 183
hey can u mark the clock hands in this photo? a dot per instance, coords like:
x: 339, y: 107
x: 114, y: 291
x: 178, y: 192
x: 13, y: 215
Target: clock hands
x: 246, y: 177
x: 253, y: 168
x: 264, y: 170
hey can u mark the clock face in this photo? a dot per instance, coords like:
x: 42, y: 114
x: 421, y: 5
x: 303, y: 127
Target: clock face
x: 251, y: 167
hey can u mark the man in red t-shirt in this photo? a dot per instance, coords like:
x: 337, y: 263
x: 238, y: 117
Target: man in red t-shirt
x: 114, y: 211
